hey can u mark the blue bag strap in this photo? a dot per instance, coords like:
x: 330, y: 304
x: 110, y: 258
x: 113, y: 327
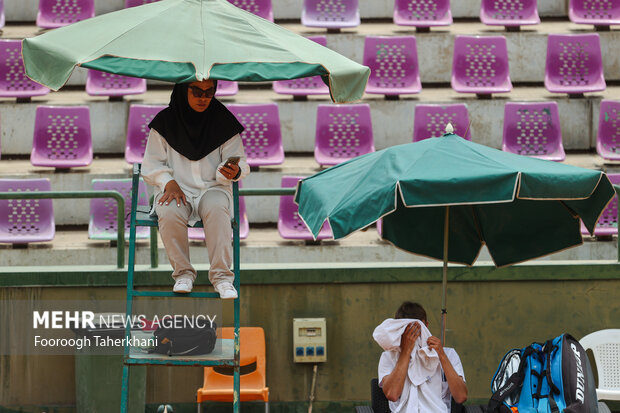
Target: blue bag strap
x: 553, y: 389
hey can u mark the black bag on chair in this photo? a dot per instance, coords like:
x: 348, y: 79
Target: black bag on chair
x: 185, y: 341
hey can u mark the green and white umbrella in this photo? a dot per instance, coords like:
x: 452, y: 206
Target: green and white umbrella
x: 187, y: 40
x: 446, y: 197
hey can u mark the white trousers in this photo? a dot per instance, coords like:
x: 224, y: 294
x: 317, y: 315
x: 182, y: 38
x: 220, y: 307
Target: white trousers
x: 214, y: 210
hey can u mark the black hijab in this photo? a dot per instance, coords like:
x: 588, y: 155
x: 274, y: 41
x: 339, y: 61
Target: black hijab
x: 194, y: 134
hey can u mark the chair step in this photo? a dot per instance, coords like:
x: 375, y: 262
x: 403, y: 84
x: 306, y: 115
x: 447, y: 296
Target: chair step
x: 142, y: 293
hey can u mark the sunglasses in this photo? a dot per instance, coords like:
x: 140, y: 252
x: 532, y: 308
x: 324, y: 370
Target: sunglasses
x: 198, y: 92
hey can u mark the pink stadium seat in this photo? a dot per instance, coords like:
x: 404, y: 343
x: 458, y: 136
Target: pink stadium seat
x: 509, y: 13
x: 108, y: 84
x: 533, y: 129
x: 103, y: 223
x: 393, y: 63
x: 290, y: 224
x: 574, y: 64
x: 261, y: 8
x: 342, y: 132
x: 330, y: 14
x: 262, y: 138
x: 608, y: 136
x: 596, y: 12
x: 58, y: 13
x: 480, y: 65
x: 13, y: 80
x: 226, y: 88
x: 607, y: 224
x: 430, y: 121
x: 134, y: 3
x: 138, y: 130
x: 62, y: 137
x: 422, y: 13
x: 306, y: 85
x: 26, y: 220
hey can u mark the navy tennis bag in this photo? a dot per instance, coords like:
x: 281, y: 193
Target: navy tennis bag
x: 552, y: 377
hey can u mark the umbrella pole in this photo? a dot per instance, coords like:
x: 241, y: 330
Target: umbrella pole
x: 444, y: 282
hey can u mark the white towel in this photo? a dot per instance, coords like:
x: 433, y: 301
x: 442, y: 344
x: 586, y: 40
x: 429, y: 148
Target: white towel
x: 422, y: 392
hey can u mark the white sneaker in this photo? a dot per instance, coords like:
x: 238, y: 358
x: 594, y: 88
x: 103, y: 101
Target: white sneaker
x: 183, y: 285
x: 226, y: 290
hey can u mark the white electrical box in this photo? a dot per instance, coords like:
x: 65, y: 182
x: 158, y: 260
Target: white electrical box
x: 309, y: 340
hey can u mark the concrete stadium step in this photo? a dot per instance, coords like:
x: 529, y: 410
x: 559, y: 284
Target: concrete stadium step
x: 263, y: 245
x: 392, y: 119
x: 26, y: 10
x: 527, y: 49
x: 259, y: 209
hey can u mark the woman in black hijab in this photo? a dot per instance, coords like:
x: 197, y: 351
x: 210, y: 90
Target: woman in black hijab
x: 193, y: 153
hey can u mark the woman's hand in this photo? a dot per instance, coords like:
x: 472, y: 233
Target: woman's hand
x: 172, y: 191
x: 229, y: 171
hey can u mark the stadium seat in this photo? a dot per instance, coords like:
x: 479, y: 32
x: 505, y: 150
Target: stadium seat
x: 533, y: 129
x: 58, y: 13
x: 304, y: 86
x: 608, y: 136
x: 103, y: 222
x: 108, y: 84
x: 198, y: 234
x: 393, y: 63
x: 262, y: 138
x: 134, y: 3
x: 480, y: 65
x: 430, y: 121
x: 601, y: 13
x: 13, y: 80
x: 290, y: 224
x: 138, y: 130
x: 342, y: 132
x: 607, y: 224
x: 261, y: 8
x: 62, y: 137
x: 226, y: 88
x: 509, y: 13
x: 330, y: 14
x: 574, y: 64
x: 605, y: 346
x: 253, y: 385
x: 26, y: 220
x: 422, y: 13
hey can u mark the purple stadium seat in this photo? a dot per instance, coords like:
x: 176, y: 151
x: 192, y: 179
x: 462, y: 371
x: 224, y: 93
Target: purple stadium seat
x: 330, y: 14
x: 198, y: 234
x: 62, y: 137
x: 134, y: 3
x: 306, y: 85
x: 574, y: 64
x: 533, y: 129
x: 393, y: 63
x: 607, y: 224
x: 608, y: 137
x: 13, y: 80
x: 290, y: 224
x: 108, y: 84
x: 59, y: 13
x: 422, y: 13
x: 430, y: 121
x: 226, y: 88
x: 595, y: 12
x: 342, y: 132
x: 509, y: 13
x: 262, y: 138
x: 103, y: 222
x: 26, y: 220
x: 480, y: 65
x: 138, y: 130
x: 261, y: 8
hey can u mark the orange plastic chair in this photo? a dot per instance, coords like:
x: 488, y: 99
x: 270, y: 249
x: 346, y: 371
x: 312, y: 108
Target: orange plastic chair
x: 219, y: 387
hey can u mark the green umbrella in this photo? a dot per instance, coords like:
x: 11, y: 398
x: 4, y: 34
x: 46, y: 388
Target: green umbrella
x: 188, y: 40
x: 445, y: 197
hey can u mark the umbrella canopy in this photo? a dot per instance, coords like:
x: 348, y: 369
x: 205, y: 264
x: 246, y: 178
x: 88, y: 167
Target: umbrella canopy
x: 520, y: 207
x: 187, y: 40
